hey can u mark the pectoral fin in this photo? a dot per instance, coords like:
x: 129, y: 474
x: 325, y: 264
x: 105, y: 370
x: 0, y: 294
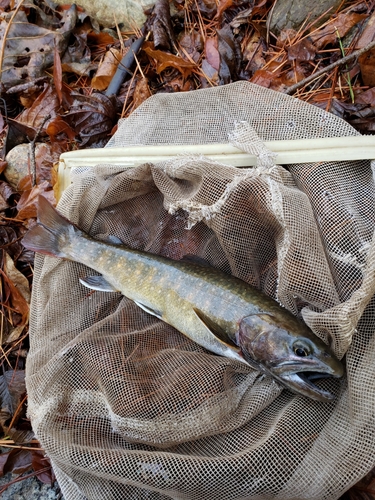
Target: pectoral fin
x: 215, y: 329
x: 148, y: 309
x: 97, y: 283
x: 114, y: 240
x: 216, y: 339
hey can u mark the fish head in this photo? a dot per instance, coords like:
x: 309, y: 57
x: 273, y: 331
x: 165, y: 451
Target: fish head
x: 290, y: 352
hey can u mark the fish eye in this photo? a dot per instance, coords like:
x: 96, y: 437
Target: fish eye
x: 300, y: 351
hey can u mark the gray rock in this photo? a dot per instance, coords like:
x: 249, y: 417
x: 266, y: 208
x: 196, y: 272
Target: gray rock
x: 28, y: 489
x: 293, y: 13
x: 129, y: 13
x: 18, y: 162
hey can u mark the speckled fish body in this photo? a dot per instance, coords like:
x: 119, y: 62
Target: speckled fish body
x: 171, y: 290
x: 219, y: 312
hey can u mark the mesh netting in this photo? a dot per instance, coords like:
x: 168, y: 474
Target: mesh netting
x: 125, y: 406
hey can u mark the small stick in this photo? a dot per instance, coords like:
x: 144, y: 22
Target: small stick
x: 290, y: 90
x: 32, y: 150
x: 127, y: 94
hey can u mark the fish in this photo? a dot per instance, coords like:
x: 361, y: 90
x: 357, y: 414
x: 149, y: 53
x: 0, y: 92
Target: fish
x: 220, y: 312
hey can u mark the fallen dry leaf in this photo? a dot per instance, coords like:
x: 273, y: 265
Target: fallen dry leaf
x: 42, y: 466
x: 192, y: 45
x: 16, y: 461
x: 32, y: 48
x: 302, y: 51
x: 18, y: 133
x: 12, y: 392
x: 222, y: 7
x: 368, y: 33
x: 99, y: 39
x: 28, y: 203
x: 106, y: 69
x: 77, y: 57
x: 210, y: 74
x: 141, y: 92
x: 367, y: 97
x: 367, y: 64
x: 286, y: 38
x: 13, y: 300
x: 3, y: 204
x: 58, y: 126
x: 91, y: 117
x: 206, y: 8
x: 46, y: 104
x: 253, y: 53
x: 162, y: 29
x: 212, y: 53
x: 243, y: 17
x: 165, y: 60
x: 57, y: 75
x: 228, y: 50
x: 339, y: 25
x: 263, y: 77
x: 21, y: 283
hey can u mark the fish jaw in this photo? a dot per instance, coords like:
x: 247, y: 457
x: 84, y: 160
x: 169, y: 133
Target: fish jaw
x: 298, y: 377
x: 289, y: 352
x: 300, y: 383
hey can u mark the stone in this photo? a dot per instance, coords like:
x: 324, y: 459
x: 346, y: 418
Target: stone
x: 128, y: 13
x: 30, y: 488
x: 293, y: 13
x: 18, y: 162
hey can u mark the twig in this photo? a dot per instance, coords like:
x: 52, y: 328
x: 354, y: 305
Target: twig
x: 330, y: 67
x: 16, y: 413
x: 6, y: 441
x: 2, y: 50
x: 268, y: 23
x: 351, y: 91
x: 32, y: 150
x: 20, y: 447
x: 128, y: 92
x: 332, y: 91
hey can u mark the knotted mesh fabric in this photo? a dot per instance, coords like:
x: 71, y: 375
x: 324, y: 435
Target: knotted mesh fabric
x: 128, y: 408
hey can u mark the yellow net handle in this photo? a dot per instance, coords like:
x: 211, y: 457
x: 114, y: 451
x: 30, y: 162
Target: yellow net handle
x: 288, y: 152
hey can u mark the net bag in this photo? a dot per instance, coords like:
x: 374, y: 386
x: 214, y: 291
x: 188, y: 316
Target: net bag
x: 125, y: 406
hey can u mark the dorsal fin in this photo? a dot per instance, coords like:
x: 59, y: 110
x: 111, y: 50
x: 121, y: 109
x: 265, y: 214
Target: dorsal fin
x: 195, y: 259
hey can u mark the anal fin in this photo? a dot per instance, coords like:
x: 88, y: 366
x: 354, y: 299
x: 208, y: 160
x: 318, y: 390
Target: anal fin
x: 97, y: 283
x: 149, y: 310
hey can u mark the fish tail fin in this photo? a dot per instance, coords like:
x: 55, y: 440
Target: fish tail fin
x: 53, y: 232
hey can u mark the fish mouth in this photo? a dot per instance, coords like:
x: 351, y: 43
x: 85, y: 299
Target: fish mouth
x: 302, y: 382
x: 300, y: 376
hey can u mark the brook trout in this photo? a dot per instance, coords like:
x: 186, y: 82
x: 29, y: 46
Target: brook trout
x: 217, y: 311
